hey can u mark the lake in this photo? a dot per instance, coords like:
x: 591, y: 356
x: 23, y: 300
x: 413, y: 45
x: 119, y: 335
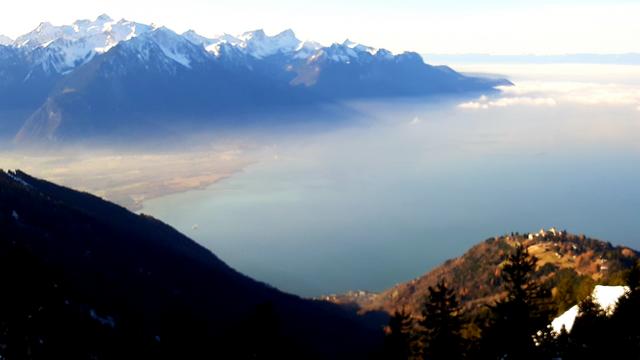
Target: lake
x: 410, y: 183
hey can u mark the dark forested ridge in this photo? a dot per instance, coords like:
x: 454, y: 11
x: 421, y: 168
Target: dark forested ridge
x: 83, y: 278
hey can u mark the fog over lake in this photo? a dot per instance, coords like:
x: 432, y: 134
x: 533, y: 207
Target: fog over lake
x: 410, y: 183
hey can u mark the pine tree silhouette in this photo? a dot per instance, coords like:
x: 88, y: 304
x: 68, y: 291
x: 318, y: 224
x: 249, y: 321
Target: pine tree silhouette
x: 441, y: 325
x: 524, y: 312
x: 398, y: 338
x: 625, y: 319
x: 590, y: 333
x: 561, y: 344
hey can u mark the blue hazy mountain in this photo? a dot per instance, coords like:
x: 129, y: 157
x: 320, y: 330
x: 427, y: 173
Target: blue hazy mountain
x: 106, y: 77
x: 23, y: 88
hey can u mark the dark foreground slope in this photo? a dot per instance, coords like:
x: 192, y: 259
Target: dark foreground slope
x: 84, y: 278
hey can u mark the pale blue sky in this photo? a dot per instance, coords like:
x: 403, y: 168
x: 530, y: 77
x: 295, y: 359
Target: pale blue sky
x: 427, y: 26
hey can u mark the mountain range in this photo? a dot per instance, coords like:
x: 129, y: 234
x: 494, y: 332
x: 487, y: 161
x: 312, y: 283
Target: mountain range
x: 104, y: 77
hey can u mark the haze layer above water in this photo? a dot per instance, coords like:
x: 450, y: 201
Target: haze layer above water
x: 409, y: 183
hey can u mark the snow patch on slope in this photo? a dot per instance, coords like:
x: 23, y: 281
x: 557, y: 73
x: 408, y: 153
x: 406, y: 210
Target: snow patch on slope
x: 605, y: 296
x: 171, y: 45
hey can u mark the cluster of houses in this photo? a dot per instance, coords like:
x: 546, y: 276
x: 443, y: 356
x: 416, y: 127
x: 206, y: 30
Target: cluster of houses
x: 552, y: 231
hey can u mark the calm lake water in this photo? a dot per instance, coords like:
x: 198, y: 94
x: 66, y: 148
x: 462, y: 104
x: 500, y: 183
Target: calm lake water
x: 411, y: 183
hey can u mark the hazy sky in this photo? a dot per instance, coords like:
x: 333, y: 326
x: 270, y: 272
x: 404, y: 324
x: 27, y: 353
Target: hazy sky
x: 427, y: 26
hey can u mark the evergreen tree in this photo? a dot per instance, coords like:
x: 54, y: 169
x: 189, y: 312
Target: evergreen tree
x: 523, y: 314
x: 626, y: 318
x: 440, y: 326
x: 589, y: 334
x: 397, y: 342
x: 561, y: 344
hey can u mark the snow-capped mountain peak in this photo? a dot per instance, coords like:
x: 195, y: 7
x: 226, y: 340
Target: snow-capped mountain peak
x: 103, y: 27
x: 231, y: 53
x: 42, y: 35
x: 287, y: 36
x: 349, y: 51
x: 253, y: 34
x: 228, y: 38
x: 350, y: 44
x: 61, y: 49
x: 196, y: 38
x: 338, y: 53
x: 5, y: 40
x: 384, y: 54
x: 87, y: 27
x: 258, y: 44
x: 104, y: 18
x: 359, y: 47
x: 172, y: 45
x: 177, y: 49
x: 68, y: 46
x: 307, y: 49
x: 212, y: 45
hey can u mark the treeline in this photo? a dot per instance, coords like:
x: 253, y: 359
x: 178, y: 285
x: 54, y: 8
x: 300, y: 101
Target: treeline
x: 517, y: 326
x: 81, y: 278
x: 41, y: 317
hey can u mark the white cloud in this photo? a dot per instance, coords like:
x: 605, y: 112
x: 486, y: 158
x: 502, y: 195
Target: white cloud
x: 583, y: 93
x: 549, y: 85
x: 485, y: 103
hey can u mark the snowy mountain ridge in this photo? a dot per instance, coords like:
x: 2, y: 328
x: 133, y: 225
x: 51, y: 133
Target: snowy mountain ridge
x: 61, y: 49
x: 5, y: 40
x: 103, y: 78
